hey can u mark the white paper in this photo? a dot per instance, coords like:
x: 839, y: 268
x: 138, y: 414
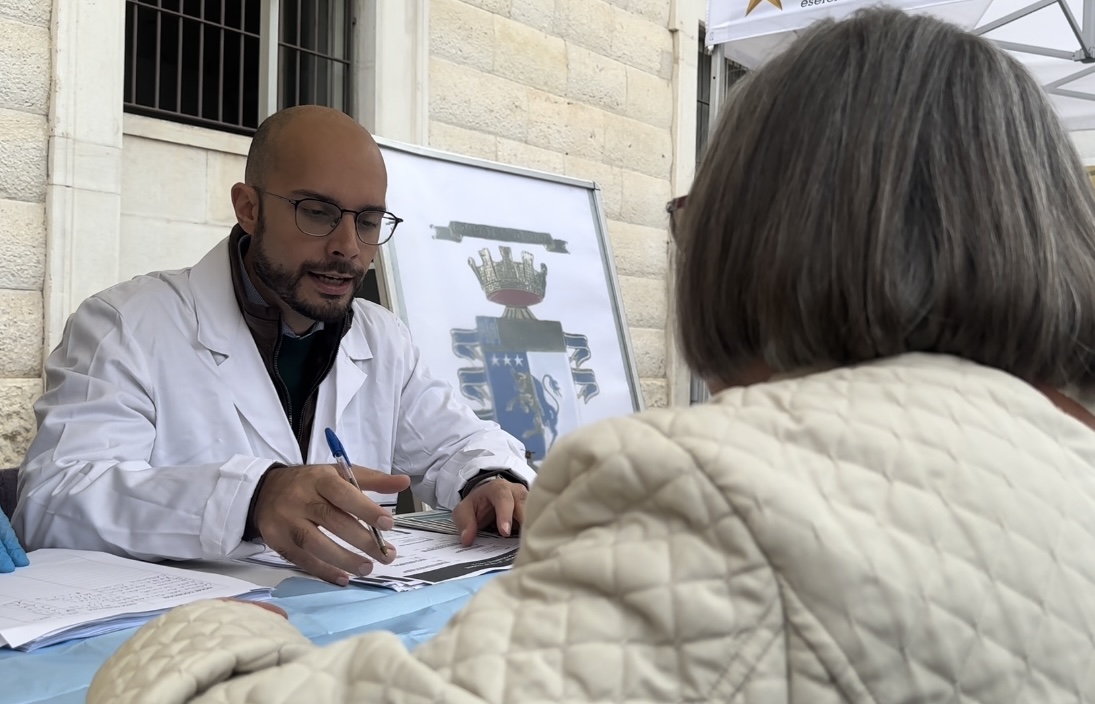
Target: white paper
x: 423, y: 558
x: 66, y: 594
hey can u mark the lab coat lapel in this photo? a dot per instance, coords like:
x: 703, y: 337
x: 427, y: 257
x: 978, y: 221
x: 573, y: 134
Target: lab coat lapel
x: 349, y: 377
x: 242, y: 374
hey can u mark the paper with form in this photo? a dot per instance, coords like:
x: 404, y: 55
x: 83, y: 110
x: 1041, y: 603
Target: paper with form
x: 66, y: 594
x: 423, y: 558
x: 438, y: 521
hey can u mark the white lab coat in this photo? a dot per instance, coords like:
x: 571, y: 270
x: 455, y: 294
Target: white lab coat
x: 159, y: 418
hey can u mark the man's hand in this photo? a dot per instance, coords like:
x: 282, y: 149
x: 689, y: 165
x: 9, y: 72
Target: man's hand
x: 294, y: 502
x: 495, y: 501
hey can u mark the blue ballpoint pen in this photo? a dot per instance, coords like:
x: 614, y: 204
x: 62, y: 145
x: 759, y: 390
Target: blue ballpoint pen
x: 343, y: 463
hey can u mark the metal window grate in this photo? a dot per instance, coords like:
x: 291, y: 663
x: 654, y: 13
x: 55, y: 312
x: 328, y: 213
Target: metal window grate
x: 706, y: 75
x: 314, y: 53
x: 194, y: 61
x: 199, y: 61
x: 703, y: 97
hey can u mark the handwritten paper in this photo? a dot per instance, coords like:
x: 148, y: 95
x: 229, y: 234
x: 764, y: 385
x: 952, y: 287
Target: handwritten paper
x: 66, y: 594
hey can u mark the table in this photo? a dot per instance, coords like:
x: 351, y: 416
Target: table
x: 323, y: 612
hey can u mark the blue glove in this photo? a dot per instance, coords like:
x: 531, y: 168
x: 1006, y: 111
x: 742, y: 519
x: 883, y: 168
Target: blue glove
x: 11, y: 552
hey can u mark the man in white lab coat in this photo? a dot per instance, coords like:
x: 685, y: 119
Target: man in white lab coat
x: 184, y: 411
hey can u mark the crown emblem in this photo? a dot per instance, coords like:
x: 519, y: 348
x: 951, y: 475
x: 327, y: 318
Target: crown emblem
x: 516, y: 285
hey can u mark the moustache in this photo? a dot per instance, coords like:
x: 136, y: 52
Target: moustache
x: 341, y: 268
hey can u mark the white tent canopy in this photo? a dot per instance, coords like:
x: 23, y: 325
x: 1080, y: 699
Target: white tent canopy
x: 1055, y: 39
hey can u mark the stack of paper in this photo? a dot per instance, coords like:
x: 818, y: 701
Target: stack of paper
x: 69, y: 594
x: 437, y: 521
x: 423, y: 558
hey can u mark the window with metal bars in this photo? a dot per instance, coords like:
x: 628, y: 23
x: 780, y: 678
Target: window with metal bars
x: 200, y: 62
x: 707, y: 73
x: 314, y: 53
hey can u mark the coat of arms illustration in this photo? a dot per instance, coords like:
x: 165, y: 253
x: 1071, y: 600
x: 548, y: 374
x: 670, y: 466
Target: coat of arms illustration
x: 528, y: 375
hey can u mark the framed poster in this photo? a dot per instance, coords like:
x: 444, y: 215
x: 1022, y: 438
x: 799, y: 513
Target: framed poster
x: 506, y: 280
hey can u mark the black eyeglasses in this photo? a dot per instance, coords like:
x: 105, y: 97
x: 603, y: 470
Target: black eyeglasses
x: 672, y: 207
x: 319, y: 218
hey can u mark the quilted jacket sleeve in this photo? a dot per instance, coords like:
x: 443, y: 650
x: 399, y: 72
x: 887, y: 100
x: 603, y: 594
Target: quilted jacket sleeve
x: 635, y: 582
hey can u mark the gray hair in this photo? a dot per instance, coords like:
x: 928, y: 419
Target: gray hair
x: 889, y: 184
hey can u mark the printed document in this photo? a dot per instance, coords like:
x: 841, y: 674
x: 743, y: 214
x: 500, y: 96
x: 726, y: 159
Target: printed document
x: 423, y: 558
x: 438, y: 521
x: 68, y: 594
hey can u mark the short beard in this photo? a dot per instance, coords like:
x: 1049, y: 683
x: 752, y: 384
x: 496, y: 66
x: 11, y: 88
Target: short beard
x: 286, y: 284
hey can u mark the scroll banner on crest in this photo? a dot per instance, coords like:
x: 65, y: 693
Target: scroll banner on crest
x: 751, y: 31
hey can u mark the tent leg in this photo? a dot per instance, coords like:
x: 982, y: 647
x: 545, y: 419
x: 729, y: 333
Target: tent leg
x: 718, y: 83
x: 1088, y: 29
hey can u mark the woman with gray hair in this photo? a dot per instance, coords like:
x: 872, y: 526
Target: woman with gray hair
x: 887, y: 267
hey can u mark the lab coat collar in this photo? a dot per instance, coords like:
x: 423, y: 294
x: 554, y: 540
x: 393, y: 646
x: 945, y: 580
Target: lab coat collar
x: 223, y: 330
x: 218, y: 316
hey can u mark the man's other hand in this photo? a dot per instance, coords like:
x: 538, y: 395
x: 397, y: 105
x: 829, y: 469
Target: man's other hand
x: 495, y: 501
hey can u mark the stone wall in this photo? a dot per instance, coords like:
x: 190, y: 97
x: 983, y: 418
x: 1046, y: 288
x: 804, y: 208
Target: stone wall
x: 576, y: 87
x: 172, y: 217
x: 25, y: 73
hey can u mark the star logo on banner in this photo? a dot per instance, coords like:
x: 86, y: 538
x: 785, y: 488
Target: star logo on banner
x: 753, y: 5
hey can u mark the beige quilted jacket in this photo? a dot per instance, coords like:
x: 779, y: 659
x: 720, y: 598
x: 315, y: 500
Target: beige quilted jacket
x: 916, y: 530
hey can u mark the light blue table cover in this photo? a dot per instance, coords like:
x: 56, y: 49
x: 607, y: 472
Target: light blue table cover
x: 62, y: 673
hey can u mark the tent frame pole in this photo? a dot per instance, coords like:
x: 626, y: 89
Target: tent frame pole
x: 1088, y: 27
x: 718, y: 84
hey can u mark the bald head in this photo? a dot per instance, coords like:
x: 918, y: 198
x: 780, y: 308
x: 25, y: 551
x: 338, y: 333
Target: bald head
x: 285, y: 136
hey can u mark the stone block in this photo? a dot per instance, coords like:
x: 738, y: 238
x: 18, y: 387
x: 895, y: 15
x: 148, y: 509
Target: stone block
x: 17, y: 425
x: 656, y: 11
x: 222, y: 172
x: 474, y: 100
x: 655, y: 392
x: 461, y: 141
x: 462, y: 33
x: 547, y: 121
x: 498, y: 7
x: 564, y: 126
x: 35, y: 12
x: 539, y: 14
x: 521, y: 154
x: 151, y: 189
x: 638, y: 146
x: 153, y: 244
x: 596, y: 79
x: 529, y: 56
x: 644, y: 199
x: 84, y: 165
x: 640, y: 43
x: 649, y: 98
x: 21, y: 334
x: 23, y: 256
x: 587, y: 23
x: 648, y: 344
x: 639, y: 251
x: 23, y: 153
x: 644, y: 300
x: 95, y: 254
x: 25, y: 52
x: 608, y: 179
